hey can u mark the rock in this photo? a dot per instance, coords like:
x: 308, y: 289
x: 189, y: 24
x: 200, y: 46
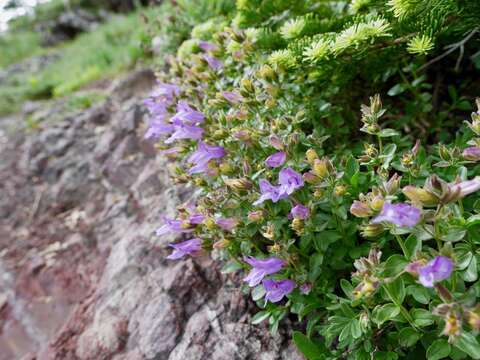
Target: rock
x: 84, y: 276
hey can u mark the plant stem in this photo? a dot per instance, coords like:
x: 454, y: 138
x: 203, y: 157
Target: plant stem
x: 402, y: 246
x: 404, y: 311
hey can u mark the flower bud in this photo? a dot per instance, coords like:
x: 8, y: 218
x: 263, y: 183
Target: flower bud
x: 246, y: 87
x: 321, y: 168
x: 365, y: 288
x: 360, y: 209
x: 392, y: 185
x: 471, y: 153
x: 199, y: 181
x: 297, y: 226
x: 318, y: 193
x: 372, y: 230
x: 420, y: 196
x: 340, y: 190
x: 266, y: 72
x: 255, y: 216
x: 225, y: 168
x: 310, y: 178
x: 275, y: 248
x: 270, y: 103
x: 311, y: 156
x: 276, y: 142
x: 239, y: 184
x: 473, y: 318
x: 209, y: 223
x: 293, y: 139
x: 376, y: 202
x: 221, y: 244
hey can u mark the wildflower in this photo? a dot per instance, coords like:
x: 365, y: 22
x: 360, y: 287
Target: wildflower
x: 311, y: 156
x: 262, y: 268
x: 166, y: 92
x: 360, y: 209
x: 438, y: 269
x: 203, y: 155
x: 176, y: 226
x: 473, y: 318
x: 213, y: 62
x: 182, y: 131
x: 300, y: 212
x: 187, y: 115
x: 157, y: 128
x: 269, y: 192
x: 255, y: 215
x: 232, y: 97
x: 472, y: 153
x: 184, y: 248
x: 403, y: 215
x: 453, y: 325
x: 289, y: 180
x: 276, y: 160
x: 465, y: 188
x: 321, y: 168
x: 227, y: 223
x: 277, y: 289
x: 196, y: 219
x: 207, y: 46
x: 371, y: 230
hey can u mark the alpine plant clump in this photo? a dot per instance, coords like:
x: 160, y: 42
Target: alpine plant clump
x: 361, y: 218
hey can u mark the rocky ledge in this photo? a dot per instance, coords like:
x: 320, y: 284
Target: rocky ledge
x: 81, y: 274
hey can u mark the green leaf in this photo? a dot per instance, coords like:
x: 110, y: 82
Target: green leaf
x: 384, y: 312
x: 394, y: 265
x: 454, y: 233
x: 259, y: 317
x: 468, y: 344
x: 413, y: 245
x: 258, y: 292
x: 471, y: 274
x: 439, y: 349
x: 473, y: 220
x: 346, y: 287
x: 408, y: 337
x: 388, y: 132
x: 230, y: 267
x: 419, y: 293
x: 396, y: 90
x: 397, y: 290
x: 422, y: 317
x: 306, y: 346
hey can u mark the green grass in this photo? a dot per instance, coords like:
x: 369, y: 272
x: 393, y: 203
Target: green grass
x: 112, y: 48
x: 18, y: 45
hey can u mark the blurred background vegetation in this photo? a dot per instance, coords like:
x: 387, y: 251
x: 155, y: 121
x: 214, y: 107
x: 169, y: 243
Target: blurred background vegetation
x: 66, y: 46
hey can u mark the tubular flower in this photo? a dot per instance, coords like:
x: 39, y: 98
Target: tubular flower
x: 189, y: 247
x: 203, y: 155
x: 289, y: 180
x: 438, y: 269
x: 213, y: 62
x: 472, y: 153
x: 277, y: 289
x: 269, y: 192
x: 276, y: 160
x: 227, y: 224
x: 262, y: 268
x: 300, y: 212
x: 403, y: 215
x: 187, y: 115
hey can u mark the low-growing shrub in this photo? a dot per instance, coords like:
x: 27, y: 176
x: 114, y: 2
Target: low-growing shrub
x: 361, y: 218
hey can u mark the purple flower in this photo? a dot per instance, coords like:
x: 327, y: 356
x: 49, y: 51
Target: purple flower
x: 472, y: 153
x: 300, y: 212
x: 157, y: 109
x: 227, y: 224
x: 203, y: 155
x: 276, y: 160
x: 187, y: 115
x: 403, y: 215
x: 438, y: 269
x: 184, y: 248
x: 262, y: 268
x: 166, y: 91
x: 207, y: 46
x: 176, y: 226
x: 466, y: 187
x: 182, y: 131
x: 158, y: 128
x: 289, y: 180
x: 196, y: 219
x: 269, y: 192
x: 277, y: 289
x: 233, y: 97
x: 213, y: 62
